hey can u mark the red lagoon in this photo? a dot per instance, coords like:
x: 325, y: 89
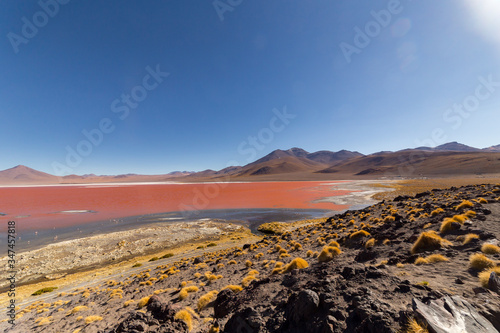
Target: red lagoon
x: 44, y: 207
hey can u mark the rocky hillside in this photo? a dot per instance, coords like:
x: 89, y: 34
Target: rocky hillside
x: 397, y: 266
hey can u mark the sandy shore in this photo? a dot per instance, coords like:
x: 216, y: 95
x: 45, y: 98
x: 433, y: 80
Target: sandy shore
x: 58, y: 259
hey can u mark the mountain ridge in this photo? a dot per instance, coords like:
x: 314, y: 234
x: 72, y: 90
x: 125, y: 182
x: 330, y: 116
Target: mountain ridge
x: 451, y: 158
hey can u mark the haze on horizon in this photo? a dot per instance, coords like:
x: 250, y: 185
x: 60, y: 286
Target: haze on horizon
x: 156, y: 87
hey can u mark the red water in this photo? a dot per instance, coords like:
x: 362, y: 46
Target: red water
x: 43, y: 204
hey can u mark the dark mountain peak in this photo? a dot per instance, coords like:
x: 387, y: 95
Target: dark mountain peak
x: 495, y: 149
x: 298, y: 152
x: 455, y: 146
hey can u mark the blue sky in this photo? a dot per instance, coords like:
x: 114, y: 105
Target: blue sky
x: 268, y: 75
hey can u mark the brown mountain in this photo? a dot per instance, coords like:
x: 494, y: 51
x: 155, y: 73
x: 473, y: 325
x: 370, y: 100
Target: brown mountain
x: 493, y: 149
x: 450, y: 159
x: 415, y: 163
x: 328, y: 157
x: 23, y: 175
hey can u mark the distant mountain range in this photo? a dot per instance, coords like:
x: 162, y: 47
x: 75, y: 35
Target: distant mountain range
x: 450, y: 159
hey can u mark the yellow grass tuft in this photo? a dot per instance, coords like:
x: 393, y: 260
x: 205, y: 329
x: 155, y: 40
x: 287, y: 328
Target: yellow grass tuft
x: 91, y: 319
x: 328, y: 253
x: 78, y: 309
x: 484, y: 276
x: 447, y: 225
x: 469, y: 237
x: 334, y: 243
x: 186, y: 317
x: 359, y: 234
x: 127, y: 303
x: 437, y: 211
x: 464, y: 204
x: 429, y: 240
x: 233, y: 288
x: 206, y: 299
x: 370, y: 243
x: 479, y: 262
x: 414, y: 327
x: 297, y: 263
x: 184, y: 293
x: 470, y: 213
x: 142, y: 303
x: 248, y: 263
x: 490, y: 248
x: 389, y: 219
x: 247, y: 280
x: 433, y: 258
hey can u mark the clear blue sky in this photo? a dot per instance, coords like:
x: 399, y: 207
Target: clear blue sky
x: 74, y: 72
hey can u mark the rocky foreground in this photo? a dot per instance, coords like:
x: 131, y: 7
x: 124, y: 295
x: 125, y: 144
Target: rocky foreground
x: 414, y: 264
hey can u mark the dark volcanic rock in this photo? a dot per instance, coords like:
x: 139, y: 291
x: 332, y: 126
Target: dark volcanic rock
x: 302, y: 305
x: 494, y: 282
x: 246, y: 321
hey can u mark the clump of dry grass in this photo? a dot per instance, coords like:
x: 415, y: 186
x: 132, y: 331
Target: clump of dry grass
x: 469, y: 237
x: 370, y: 243
x: 414, y: 327
x: 433, y: 258
x: 359, y: 234
x: 479, y: 262
x: 185, y: 316
x: 91, y: 319
x: 490, y: 248
x: 328, y: 253
x: 484, y: 276
x: 206, y: 299
x: 448, y: 225
x: 429, y: 240
x: 297, y: 263
x: 184, y: 293
x: 464, y: 204
x: 437, y: 211
x: 233, y: 288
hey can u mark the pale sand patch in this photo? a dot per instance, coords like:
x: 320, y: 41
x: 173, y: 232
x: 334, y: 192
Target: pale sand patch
x: 56, y: 259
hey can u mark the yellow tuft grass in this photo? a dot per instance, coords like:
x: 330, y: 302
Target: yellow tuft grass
x: 184, y: 293
x: 78, y: 309
x: 479, y: 262
x: 469, y: 237
x: 490, y: 248
x: 433, y: 258
x: 247, y: 280
x: 414, y: 327
x: 91, y: 319
x: 370, y: 243
x: 437, y: 211
x: 297, y: 263
x: 206, y: 299
x: 429, y: 240
x: 359, y: 234
x: 464, y: 204
x: 484, y: 276
x: 233, y: 288
x: 334, y: 243
x: 186, y: 317
x: 143, y: 301
x: 328, y: 253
